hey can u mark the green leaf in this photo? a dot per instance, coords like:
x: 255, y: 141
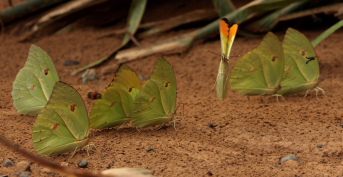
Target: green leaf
x: 301, y: 67
x: 223, y: 7
x: 34, y: 82
x: 272, y: 19
x: 155, y: 103
x: 327, y: 33
x: 114, y: 108
x: 260, y: 71
x: 63, y: 125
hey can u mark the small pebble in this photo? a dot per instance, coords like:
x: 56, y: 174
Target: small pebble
x: 47, y: 170
x: 88, y: 75
x: 70, y: 62
x: 150, y: 149
x: 320, y: 146
x: 290, y: 163
x: 8, y: 163
x: 210, y: 173
x: 23, y: 166
x: 64, y: 164
x: 83, y: 163
x: 290, y: 157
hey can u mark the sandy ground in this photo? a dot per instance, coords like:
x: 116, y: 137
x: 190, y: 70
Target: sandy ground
x: 249, y: 140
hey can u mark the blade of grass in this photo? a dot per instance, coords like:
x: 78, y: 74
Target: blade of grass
x: 26, y: 9
x: 187, y: 40
x: 135, y: 16
x: 327, y: 33
x: 272, y: 19
x: 223, y: 7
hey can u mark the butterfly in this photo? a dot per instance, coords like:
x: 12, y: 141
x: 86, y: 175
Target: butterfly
x: 260, y: 71
x: 34, y: 82
x: 301, y: 68
x: 63, y: 125
x: 227, y: 36
x: 155, y: 103
x: 114, y: 108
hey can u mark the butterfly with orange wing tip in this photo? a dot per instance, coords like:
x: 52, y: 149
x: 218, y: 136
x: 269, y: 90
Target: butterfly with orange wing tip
x: 227, y: 36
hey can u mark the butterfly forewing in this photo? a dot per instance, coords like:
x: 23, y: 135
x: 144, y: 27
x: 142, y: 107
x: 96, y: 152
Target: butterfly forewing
x: 34, y: 82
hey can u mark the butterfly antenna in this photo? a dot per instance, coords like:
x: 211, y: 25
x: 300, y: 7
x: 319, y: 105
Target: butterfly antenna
x: 213, y: 53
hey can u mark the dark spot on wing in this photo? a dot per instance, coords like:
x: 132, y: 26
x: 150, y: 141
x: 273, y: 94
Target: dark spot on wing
x: 167, y: 84
x: 153, y: 99
x: 72, y: 107
x: 303, y: 53
x: 112, y: 104
x: 46, y: 71
x: 274, y: 58
x: 55, y: 126
x: 254, y: 70
x: 130, y: 89
x: 32, y: 87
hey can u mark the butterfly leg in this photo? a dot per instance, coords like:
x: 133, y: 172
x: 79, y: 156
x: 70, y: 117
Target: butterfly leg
x: 138, y: 129
x: 73, y: 153
x: 306, y: 93
x: 277, y: 97
x: 318, y: 88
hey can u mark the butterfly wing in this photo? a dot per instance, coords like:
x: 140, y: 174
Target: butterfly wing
x: 227, y: 36
x: 260, y: 71
x: 115, y: 106
x: 33, y: 84
x: 155, y: 103
x: 63, y: 125
x: 302, y: 67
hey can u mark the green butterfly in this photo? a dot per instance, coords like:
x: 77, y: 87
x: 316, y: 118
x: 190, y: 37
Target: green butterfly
x: 260, y: 71
x: 302, y: 67
x: 63, y: 125
x: 114, y: 108
x: 33, y: 84
x: 155, y: 103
